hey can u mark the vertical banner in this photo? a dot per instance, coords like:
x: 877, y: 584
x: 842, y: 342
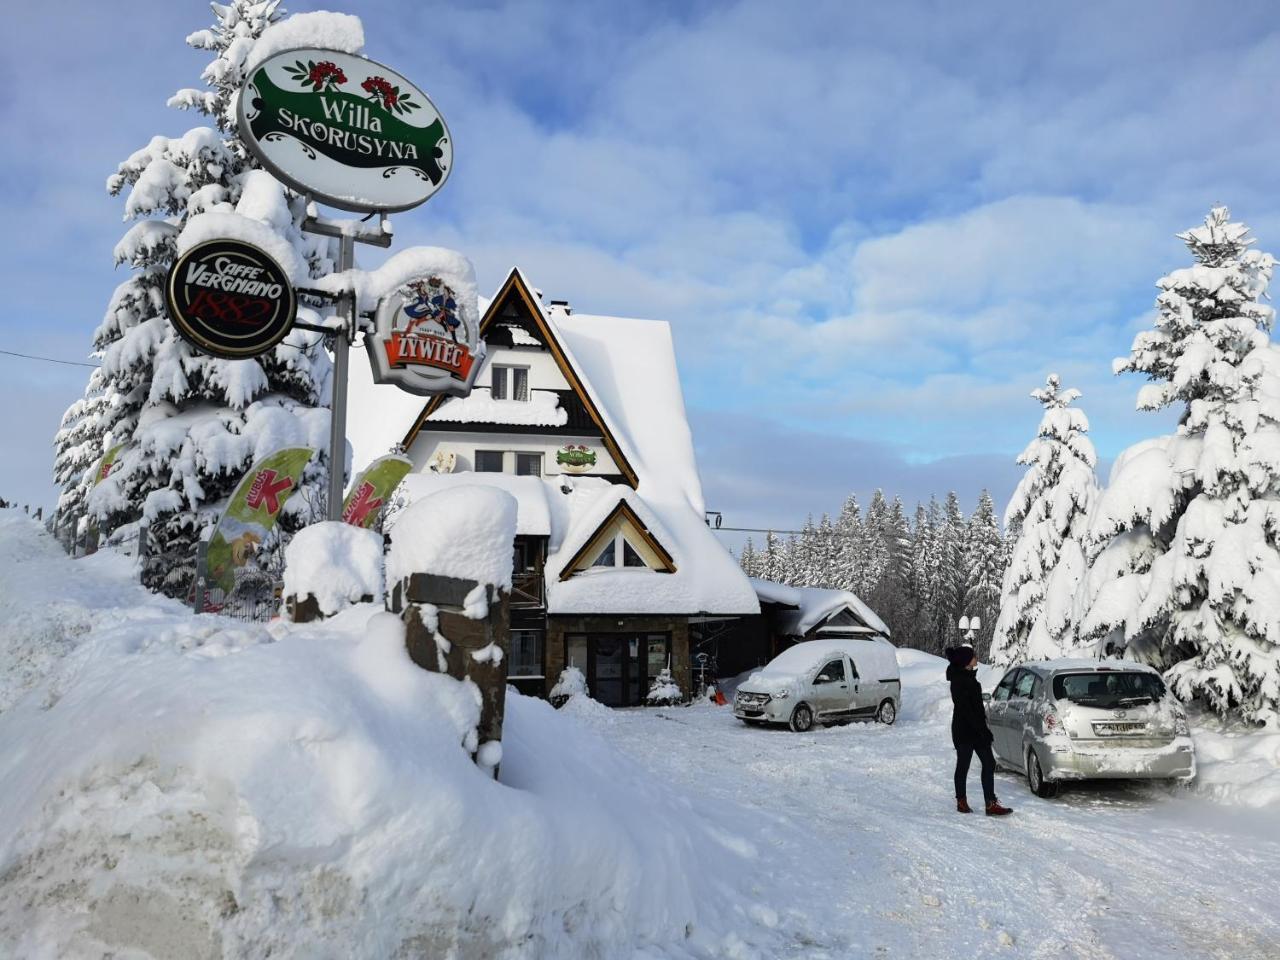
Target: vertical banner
x: 107, y: 464
x: 252, y: 512
x: 372, y: 488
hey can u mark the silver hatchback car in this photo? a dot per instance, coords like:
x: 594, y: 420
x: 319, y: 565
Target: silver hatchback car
x: 1060, y: 720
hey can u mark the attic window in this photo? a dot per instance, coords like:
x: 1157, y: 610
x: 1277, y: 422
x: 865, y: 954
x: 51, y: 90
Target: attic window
x: 618, y: 552
x: 510, y: 382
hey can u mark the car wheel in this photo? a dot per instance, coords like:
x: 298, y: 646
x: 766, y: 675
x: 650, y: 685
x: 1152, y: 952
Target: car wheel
x: 802, y: 718
x: 1041, y: 787
x: 887, y: 713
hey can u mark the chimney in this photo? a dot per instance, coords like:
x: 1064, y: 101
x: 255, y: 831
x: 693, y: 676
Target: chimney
x: 563, y: 305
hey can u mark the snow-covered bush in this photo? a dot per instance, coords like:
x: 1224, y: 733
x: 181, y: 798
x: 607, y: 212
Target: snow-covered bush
x: 1187, y: 534
x: 1049, y: 510
x: 335, y: 562
x: 664, y: 689
x: 187, y: 419
x: 571, y: 683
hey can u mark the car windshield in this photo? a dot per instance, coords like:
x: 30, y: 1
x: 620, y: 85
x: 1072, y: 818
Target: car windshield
x: 1110, y: 689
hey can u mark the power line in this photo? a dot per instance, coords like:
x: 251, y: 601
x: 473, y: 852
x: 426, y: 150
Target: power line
x: 756, y: 530
x: 32, y: 356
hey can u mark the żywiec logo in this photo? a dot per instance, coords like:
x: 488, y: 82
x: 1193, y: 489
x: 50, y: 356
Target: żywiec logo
x: 422, y: 342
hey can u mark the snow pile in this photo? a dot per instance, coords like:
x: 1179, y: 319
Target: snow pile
x: 321, y: 29
x: 370, y: 286
x: 335, y: 562
x: 466, y: 532
x: 570, y: 683
x: 542, y: 409
x: 1237, y: 766
x: 304, y: 792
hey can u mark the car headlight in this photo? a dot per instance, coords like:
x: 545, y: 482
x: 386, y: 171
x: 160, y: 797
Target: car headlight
x: 1180, y: 727
x: 782, y: 694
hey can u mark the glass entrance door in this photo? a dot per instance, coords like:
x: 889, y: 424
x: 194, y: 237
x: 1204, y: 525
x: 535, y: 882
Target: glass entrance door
x: 608, y: 684
x: 619, y: 666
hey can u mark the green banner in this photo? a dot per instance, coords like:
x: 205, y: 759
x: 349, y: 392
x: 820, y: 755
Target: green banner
x: 352, y: 130
x: 372, y: 488
x: 253, y: 511
x: 107, y: 463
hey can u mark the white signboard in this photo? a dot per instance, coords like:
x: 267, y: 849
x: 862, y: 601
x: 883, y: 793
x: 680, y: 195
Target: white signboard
x: 349, y: 131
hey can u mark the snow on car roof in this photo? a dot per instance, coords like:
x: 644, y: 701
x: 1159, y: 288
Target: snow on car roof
x: 806, y: 654
x: 1079, y: 663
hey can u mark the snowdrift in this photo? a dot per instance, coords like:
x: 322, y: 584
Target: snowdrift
x: 180, y: 786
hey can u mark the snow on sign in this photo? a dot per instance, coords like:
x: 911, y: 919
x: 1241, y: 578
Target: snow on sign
x: 349, y: 131
x: 230, y: 299
x: 424, y: 341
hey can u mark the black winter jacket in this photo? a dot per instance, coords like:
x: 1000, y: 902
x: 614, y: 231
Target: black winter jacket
x: 969, y: 721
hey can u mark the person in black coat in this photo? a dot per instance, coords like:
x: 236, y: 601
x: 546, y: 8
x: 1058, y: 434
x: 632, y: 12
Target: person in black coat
x: 969, y: 731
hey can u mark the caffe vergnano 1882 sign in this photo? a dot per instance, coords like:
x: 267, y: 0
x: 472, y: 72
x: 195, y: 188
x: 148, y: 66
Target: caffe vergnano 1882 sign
x: 349, y: 131
x: 230, y: 299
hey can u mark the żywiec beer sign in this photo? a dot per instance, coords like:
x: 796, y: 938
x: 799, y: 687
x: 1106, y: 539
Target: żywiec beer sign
x: 349, y: 131
x: 230, y: 299
x: 423, y: 343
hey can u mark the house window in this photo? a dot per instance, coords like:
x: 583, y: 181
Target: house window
x: 529, y: 464
x: 526, y: 654
x: 629, y: 556
x: 509, y: 382
x: 488, y: 461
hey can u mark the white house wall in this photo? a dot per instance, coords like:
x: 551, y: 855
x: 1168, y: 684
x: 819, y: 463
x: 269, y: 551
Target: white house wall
x: 464, y: 445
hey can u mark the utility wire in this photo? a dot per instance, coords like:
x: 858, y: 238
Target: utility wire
x: 756, y: 530
x: 31, y: 356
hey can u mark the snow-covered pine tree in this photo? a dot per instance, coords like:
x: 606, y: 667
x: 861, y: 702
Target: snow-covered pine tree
x: 804, y: 554
x: 193, y: 423
x: 749, y: 560
x: 875, y: 549
x: 1187, y: 576
x: 825, y: 553
x: 985, y: 568
x: 792, y: 561
x: 952, y: 577
x: 772, y: 562
x: 1048, y: 515
x: 890, y: 597
x: 849, y: 557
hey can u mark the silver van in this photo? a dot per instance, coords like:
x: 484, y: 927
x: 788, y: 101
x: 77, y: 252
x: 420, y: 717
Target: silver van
x: 1057, y: 720
x: 824, y: 681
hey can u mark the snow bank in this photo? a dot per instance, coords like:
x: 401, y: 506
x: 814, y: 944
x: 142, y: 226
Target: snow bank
x: 335, y: 562
x: 466, y: 532
x: 303, y: 792
x: 1237, y: 766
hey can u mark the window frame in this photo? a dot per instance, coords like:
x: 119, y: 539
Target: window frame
x: 502, y: 460
x: 538, y: 457
x: 504, y: 378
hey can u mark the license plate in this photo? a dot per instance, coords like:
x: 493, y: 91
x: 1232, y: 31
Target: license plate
x: 1119, y: 729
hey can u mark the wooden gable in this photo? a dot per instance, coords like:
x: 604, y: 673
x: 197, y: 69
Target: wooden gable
x: 621, y: 519
x: 513, y: 312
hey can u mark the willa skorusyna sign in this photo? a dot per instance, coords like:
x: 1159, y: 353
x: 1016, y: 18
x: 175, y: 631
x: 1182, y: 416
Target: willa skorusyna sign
x: 349, y: 131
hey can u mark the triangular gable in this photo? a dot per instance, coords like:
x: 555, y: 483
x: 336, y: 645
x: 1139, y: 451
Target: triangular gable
x: 515, y: 286
x: 624, y: 519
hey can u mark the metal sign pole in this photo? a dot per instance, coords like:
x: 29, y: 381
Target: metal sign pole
x: 338, y: 406
x: 348, y: 233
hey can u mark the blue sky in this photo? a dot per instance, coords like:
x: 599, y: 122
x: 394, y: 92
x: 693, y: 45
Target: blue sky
x: 874, y: 227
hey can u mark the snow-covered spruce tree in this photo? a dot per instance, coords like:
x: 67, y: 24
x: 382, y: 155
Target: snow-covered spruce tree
x: 952, y: 571
x: 985, y: 568
x: 1048, y: 515
x: 1187, y: 570
x: 193, y: 423
x: 772, y: 564
x: 876, y: 553
x: 749, y: 559
x: 849, y: 556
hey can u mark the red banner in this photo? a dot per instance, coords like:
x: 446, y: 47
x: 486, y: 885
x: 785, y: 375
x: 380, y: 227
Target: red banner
x: 419, y: 349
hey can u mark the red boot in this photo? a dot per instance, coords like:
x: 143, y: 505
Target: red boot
x: 994, y: 809
x: 962, y: 805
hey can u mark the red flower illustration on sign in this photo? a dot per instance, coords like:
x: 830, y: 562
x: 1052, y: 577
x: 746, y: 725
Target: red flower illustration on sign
x: 325, y: 75
x: 381, y: 91
x: 266, y: 489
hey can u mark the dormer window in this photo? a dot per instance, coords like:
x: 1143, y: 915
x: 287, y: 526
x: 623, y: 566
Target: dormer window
x: 618, y: 553
x: 509, y: 383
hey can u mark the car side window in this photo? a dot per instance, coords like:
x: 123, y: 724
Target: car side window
x: 831, y: 673
x: 1005, y: 687
x: 1022, y: 687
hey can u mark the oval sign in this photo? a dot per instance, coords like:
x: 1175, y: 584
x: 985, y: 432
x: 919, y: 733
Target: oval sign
x: 349, y: 131
x: 427, y: 339
x: 230, y: 299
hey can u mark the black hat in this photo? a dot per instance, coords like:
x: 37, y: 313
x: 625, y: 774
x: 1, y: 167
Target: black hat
x: 960, y: 656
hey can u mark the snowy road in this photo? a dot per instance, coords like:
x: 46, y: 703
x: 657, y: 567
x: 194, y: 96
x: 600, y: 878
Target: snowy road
x: 860, y: 854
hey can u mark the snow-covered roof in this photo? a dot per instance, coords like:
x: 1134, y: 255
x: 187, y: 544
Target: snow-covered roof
x: 627, y: 369
x: 812, y: 605
x: 542, y: 409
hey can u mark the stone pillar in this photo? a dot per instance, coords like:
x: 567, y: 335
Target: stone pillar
x: 477, y: 649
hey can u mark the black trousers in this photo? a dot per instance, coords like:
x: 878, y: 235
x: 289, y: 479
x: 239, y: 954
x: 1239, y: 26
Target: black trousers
x: 964, y: 753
